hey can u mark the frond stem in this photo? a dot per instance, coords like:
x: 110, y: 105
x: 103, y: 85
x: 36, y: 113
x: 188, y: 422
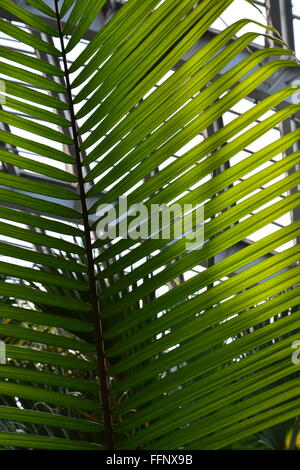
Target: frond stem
x: 102, y: 366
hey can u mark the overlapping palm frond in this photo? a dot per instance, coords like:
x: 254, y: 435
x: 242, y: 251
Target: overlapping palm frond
x: 177, y: 362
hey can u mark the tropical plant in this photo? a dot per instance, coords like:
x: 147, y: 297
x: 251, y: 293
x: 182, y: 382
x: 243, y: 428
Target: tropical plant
x: 197, y: 363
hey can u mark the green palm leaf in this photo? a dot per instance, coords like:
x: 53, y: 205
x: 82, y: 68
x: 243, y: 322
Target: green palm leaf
x: 109, y: 344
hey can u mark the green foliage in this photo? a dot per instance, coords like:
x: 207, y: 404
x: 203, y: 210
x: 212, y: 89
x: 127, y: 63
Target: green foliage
x: 98, y: 355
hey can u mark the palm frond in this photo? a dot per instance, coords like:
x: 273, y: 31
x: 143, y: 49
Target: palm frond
x: 110, y: 337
